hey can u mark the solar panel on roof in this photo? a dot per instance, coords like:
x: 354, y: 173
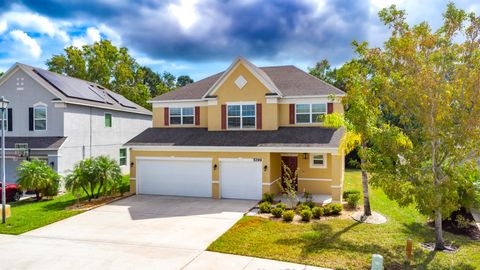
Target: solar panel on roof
x: 122, y: 100
x: 71, y: 87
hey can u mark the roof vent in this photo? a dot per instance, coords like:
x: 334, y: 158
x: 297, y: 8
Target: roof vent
x: 240, y: 82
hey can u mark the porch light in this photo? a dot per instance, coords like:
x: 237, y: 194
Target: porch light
x: 131, y: 164
x: 305, y: 156
x: 265, y: 168
x: 3, y: 103
x: 215, y: 167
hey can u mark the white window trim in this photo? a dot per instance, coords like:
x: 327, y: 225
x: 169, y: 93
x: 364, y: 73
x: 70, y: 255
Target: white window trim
x: 120, y: 157
x: 181, y: 116
x: 241, y: 117
x: 310, y: 113
x: 314, y: 166
x: 44, y: 106
x: 5, y: 121
x: 111, y: 119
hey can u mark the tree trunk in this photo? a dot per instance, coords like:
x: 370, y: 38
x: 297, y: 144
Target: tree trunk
x: 366, y: 197
x: 37, y: 195
x: 439, y: 244
x: 366, y: 200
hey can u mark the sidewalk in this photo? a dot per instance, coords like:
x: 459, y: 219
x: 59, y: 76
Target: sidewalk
x: 476, y: 216
x: 212, y: 261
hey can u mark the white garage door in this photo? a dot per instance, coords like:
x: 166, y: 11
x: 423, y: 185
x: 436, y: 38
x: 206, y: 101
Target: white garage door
x: 175, y: 176
x: 241, y: 179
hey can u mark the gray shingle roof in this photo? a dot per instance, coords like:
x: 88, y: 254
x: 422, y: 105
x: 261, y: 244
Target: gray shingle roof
x: 36, y: 142
x: 83, y: 92
x: 290, y: 80
x: 284, y: 136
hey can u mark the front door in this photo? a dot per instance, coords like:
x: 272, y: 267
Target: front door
x: 290, y: 162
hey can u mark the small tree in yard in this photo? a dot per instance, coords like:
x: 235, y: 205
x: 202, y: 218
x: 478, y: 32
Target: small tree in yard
x: 36, y: 175
x: 287, y: 184
x: 93, y: 176
x: 428, y: 81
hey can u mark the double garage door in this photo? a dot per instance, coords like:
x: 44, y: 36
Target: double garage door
x: 239, y: 178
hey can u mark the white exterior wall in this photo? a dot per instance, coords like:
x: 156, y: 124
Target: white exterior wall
x: 87, y: 135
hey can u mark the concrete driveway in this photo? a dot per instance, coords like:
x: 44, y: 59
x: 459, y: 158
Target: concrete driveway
x: 140, y: 232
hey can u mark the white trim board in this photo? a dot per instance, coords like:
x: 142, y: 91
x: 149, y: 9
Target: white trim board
x: 174, y: 158
x: 271, y: 183
x: 315, y: 179
x: 277, y: 149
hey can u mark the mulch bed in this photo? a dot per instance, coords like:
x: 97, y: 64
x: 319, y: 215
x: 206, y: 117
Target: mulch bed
x: 94, y: 203
x: 451, y: 226
x: 345, y: 214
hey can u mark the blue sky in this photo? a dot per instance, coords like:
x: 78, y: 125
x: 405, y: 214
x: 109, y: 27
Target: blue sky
x: 200, y: 38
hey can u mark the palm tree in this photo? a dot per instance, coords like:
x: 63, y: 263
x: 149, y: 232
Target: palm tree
x: 108, y: 173
x: 38, y: 176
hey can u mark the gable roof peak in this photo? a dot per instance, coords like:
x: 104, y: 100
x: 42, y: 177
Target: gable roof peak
x: 256, y: 71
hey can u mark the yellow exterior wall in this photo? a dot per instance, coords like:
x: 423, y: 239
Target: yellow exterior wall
x: 159, y: 120
x: 253, y: 91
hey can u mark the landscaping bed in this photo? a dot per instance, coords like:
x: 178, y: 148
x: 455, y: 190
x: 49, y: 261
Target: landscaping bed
x: 346, y: 244
x: 86, y: 205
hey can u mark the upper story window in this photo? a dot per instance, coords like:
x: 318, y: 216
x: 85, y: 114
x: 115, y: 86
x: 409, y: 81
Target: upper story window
x: 241, y: 116
x: 108, y: 120
x: 123, y: 157
x: 40, y: 117
x: 310, y: 113
x: 182, y: 116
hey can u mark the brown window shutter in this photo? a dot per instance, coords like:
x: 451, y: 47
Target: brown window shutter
x: 197, y: 116
x: 166, y: 115
x: 292, y: 114
x: 259, y: 115
x: 329, y: 108
x: 224, y: 116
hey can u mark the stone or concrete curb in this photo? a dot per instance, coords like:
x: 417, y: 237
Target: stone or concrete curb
x: 105, y: 203
x: 476, y: 216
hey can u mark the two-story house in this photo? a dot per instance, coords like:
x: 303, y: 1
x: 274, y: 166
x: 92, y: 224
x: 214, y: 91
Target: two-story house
x: 226, y: 136
x: 63, y: 120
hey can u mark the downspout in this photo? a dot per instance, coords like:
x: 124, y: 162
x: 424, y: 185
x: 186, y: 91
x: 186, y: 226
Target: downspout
x: 90, y: 131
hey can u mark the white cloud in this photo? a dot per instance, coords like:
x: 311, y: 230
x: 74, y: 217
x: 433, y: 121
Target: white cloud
x: 185, y: 13
x: 29, y: 43
x: 113, y: 36
x: 28, y: 21
x: 92, y: 35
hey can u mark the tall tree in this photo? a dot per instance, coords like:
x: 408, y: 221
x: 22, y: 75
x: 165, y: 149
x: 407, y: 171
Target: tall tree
x: 324, y: 72
x: 105, y: 64
x: 428, y: 81
x: 184, y: 80
x: 1, y: 73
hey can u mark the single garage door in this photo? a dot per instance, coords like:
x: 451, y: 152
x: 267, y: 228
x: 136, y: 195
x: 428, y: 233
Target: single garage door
x: 175, y: 176
x: 241, y: 179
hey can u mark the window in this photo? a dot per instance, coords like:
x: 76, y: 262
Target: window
x: 182, y: 116
x: 40, y: 117
x: 310, y: 113
x: 123, y: 157
x: 318, y: 161
x: 5, y: 120
x: 108, y: 120
x: 241, y: 116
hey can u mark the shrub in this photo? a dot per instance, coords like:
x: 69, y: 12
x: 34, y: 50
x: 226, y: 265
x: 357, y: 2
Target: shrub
x: 302, y: 207
x: 327, y: 210
x: 310, y: 204
x: 462, y: 222
x: 277, y: 212
x: 317, y: 212
x: 288, y: 215
x: 94, y: 176
x: 306, y: 215
x: 268, y: 197
x: 349, y: 192
x: 335, y: 208
x: 281, y: 206
x: 265, y: 207
x: 352, y: 200
x: 38, y: 176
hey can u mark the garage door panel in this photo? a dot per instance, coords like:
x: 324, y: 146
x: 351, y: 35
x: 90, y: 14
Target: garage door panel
x: 176, y: 177
x: 241, y: 179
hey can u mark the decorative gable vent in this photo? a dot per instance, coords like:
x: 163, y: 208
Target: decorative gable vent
x: 20, y: 83
x: 240, y: 82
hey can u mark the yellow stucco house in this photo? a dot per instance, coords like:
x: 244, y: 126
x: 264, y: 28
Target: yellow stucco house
x: 225, y: 136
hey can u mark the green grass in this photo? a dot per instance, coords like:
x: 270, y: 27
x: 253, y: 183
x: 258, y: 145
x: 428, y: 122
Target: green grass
x: 29, y: 214
x: 345, y: 244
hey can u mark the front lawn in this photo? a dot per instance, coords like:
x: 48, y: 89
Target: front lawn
x: 29, y: 214
x: 345, y: 244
